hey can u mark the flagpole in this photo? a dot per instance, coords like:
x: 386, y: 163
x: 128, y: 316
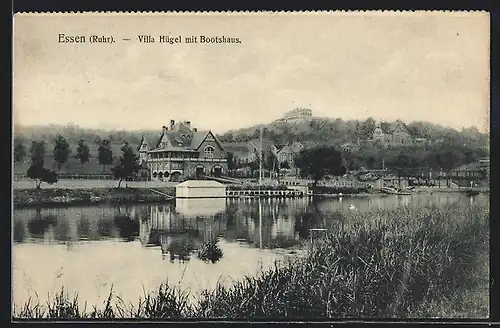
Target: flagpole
x: 260, y: 155
x: 260, y: 185
x: 260, y: 222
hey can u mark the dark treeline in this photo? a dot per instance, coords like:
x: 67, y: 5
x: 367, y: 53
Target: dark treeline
x: 73, y: 134
x: 318, y: 130
x: 446, y: 148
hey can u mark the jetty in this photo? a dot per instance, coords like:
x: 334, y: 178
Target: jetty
x: 167, y: 196
x: 275, y: 193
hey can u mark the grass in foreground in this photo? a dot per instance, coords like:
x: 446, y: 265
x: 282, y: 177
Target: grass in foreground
x: 411, y: 262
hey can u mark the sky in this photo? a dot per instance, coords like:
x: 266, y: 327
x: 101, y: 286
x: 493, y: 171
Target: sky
x: 422, y: 66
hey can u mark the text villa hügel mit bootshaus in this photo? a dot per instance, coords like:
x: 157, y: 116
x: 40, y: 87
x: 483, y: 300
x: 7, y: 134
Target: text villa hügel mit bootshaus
x: 168, y: 39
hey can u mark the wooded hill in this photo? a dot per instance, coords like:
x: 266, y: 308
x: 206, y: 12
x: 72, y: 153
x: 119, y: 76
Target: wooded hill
x: 316, y: 131
x: 337, y: 131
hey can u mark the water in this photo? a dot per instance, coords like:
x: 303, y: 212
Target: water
x: 135, y: 248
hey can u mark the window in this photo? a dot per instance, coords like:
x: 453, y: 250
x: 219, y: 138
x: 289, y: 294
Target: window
x: 209, y: 152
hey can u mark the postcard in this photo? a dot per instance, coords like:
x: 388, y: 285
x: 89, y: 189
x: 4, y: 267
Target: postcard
x: 251, y: 165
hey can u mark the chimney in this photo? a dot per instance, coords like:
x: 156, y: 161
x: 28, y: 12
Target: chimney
x: 188, y: 124
x: 164, y: 129
x: 172, y: 123
x: 195, y: 130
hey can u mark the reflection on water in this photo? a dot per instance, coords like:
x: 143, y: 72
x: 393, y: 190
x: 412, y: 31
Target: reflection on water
x: 128, y: 243
x: 181, y: 227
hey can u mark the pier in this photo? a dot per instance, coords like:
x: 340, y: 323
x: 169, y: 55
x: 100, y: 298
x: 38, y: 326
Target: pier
x: 168, y: 197
x: 267, y: 193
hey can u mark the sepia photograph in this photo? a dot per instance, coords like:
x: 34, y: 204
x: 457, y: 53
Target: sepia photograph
x: 251, y: 165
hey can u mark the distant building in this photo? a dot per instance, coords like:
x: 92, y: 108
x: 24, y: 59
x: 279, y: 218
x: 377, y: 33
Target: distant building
x: 252, y: 156
x: 479, y: 170
x: 396, y: 134
x: 182, y: 152
x: 287, y: 153
x: 253, y: 150
x: 296, y: 114
x: 143, y: 149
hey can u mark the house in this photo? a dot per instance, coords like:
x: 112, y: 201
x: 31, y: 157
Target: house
x: 252, y: 156
x: 479, y: 170
x: 395, y: 134
x: 182, y: 152
x: 253, y: 150
x: 288, y: 153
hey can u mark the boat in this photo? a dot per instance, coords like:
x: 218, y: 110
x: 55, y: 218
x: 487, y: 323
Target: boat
x: 388, y: 190
x: 393, y: 191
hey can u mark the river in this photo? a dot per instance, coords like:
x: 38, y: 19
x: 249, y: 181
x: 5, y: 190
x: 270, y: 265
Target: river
x: 135, y: 248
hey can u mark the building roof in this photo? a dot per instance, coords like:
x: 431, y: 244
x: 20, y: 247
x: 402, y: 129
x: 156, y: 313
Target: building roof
x: 198, y: 138
x: 390, y: 127
x: 293, y: 148
x: 143, y: 142
x: 200, y: 184
x: 180, y: 137
x: 173, y: 149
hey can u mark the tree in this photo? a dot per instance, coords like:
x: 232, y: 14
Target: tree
x: 128, y: 165
x: 270, y: 162
x: 367, y: 128
x: 97, y: 140
x: 105, y: 154
x: 317, y: 162
x: 82, y: 152
x: 61, y: 151
x: 37, y: 153
x: 446, y: 159
x: 370, y: 162
x: 19, y: 151
x: 254, y: 166
x: 231, y: 164
x: 40, y: 174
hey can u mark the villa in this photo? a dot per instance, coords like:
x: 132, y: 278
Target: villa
x: 396, y: 134
x: 181, y: 152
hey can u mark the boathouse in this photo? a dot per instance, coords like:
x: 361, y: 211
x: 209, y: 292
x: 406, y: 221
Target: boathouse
x: 200, y: 189
x: 200, y: 207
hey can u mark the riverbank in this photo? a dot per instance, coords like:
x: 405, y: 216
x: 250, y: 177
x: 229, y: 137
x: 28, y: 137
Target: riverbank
x: 92, y: 184
x: 69, y: 197
x: 413, y: 262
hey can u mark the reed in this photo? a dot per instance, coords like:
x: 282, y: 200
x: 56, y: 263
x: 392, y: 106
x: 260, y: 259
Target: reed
x: 427, y: 261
